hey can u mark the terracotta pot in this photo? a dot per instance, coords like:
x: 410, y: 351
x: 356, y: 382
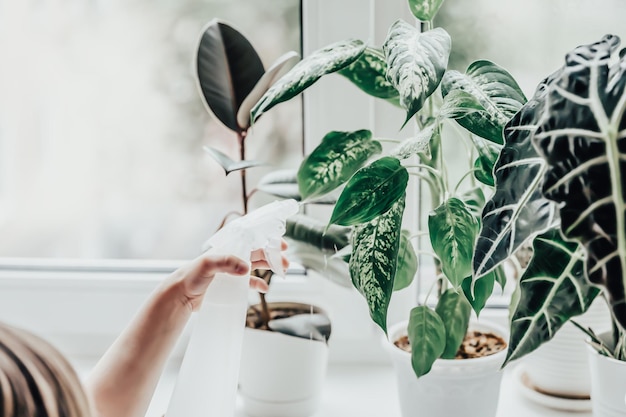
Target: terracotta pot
x: 453, y: 387
x: 281, y: 375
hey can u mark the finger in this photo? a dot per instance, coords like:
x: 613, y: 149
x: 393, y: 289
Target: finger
x: 204, y: 268
x: 263, y: 264
x: 259, y: 284
x: 259, y: 254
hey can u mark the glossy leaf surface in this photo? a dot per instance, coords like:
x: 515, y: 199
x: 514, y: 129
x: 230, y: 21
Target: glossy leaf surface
x: 334, y: 161
x: 416, y: 63
x: 407, y: 263
x: 227, y: 163
x: 371, y: 192
x: 427, y: 336
x: 227, y: 69
x: 424, y: 10
x: 368, y: 73
x: 324, y: 61
x: 373, y: 263
x: 454, y: 310
x: 483, y: 288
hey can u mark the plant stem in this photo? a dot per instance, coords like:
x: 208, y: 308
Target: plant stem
x: 265, y: 311
x: 242, y: 154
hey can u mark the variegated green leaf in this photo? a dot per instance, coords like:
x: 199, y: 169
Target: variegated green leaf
x: 325, y: 61
x: 427, y: 336
x: 227, y: 163
x: 483, y: 288
x: 581, y: 135
x: 517, y: 210
x: 407, y: 263
x: 368, y: 73
x: 494, y: 89
x: 374, y: 257
x: 418, y: 144
x: 416, y: 63
x: 371, y: 192
x: 334, y: 161
x: 452, y: 230
x: 459, y: 103
x: 553, y: 289
x: 474, y: 200
x: 425, y: 10
x: 454, y: 311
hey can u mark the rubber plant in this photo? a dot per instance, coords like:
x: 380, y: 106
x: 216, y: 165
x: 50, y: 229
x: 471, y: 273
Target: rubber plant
x: 411, y: 70
x: 560, y: 184
x: 231, y: 79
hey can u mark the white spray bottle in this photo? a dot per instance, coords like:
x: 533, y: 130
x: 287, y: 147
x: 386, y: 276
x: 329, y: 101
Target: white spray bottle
x: 207, y: 381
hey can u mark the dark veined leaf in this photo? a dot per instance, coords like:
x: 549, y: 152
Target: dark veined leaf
x: 494, y: 89
x: 552, y: 290
x: 228, y: 164
x: 418, y: 144
x: 452, y: 230
x: 227, y: 69
x: 425, y: 10
x: 427, y: 336
x: 416, y: 63
x: 581, y: 135
x: 407, y: 263
x: 517, y: 210
x: 368, y: 73
x: 324, y: 61
x: 483, y: 288
x: 374, y: 257
x: 454, y: 311
x: 334, y: 161
x: 371, y: 192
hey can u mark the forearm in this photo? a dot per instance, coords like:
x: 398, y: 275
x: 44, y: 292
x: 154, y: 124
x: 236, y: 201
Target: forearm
x: 123, y: 381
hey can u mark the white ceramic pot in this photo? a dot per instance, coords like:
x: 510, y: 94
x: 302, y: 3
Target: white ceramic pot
x: 608, y: 383
x: 560, y: 367
x: 281, y: 375
x: 453, y: 387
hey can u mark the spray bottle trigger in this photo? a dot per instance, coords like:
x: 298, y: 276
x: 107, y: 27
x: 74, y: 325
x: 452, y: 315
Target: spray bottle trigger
x: 273, y: 256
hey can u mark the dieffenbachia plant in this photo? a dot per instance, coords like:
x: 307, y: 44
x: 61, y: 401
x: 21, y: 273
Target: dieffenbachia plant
x: 576, y: 123
x: 411, y: 70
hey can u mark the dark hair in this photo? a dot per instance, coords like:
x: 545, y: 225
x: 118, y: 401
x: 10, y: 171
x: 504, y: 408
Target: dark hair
x: 36, y: 380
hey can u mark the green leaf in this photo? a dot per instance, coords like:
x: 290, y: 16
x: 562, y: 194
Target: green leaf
x: 487, y: 157
x: 371, y: 192
x: 454, y: 311
x: 494, y: 89
x: 427, y: 336
x: 459, y: 103
x: 334, y: 161
x: 418, y: 144
x: 474, y: 200
x: 482, y: 172
x: 368, y: 73
x: 324, y: 61
x: 500, y: 276
x: 228, y: 164
x: 553, y: 289
x: 416, y: 63
x: 483, y: 288
x: 425, y: 10
x: 227, y: 69
x: 580, y: 135
x: 373, y: 263
x: 452, y: 231
x: 407, y: 263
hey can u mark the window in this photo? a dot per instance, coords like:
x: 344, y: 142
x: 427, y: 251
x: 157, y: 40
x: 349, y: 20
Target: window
x: 102, y: 127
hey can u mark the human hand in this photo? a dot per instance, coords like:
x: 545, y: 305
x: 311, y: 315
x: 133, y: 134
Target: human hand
x: 193, y: 279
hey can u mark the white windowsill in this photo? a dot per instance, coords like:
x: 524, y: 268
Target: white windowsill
x: 362, y: 390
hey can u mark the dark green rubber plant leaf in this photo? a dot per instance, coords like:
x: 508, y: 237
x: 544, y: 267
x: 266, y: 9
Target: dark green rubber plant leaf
x: 452, y: 230
x: 483, y: 288
x: 373, y: 263
x: 305, y: 73
x: 370, y: 192
x: 581, y: 135
x: 334, y: 161
x: 553, y: 289
x: 427, y: 336
x: 227, y: 163
x: 494, y: 89
x: 314, y: 246
x: 368, y: 73
x: 416, y: 63
x: 227, y: 69
x: 407, y: 263
x: 425, y: 10
x: 454, y: 310
x: 517, y: 211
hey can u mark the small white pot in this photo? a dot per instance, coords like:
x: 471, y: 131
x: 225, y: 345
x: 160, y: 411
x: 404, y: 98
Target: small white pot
x: 281, y: 375
x: 560, y: 367
x: 453, y: 387
x: 608, y: 383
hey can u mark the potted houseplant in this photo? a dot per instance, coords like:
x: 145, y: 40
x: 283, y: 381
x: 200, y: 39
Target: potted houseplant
x: 285, y: 344
x: 411, y: 70
x: 562, y: 163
